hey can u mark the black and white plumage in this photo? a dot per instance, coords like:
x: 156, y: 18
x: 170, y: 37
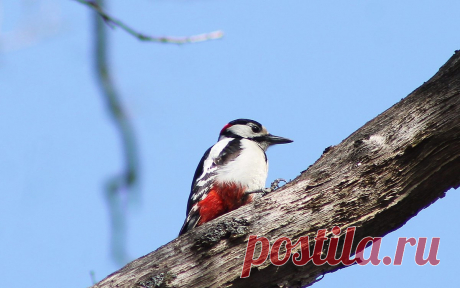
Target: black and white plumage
x: 236, y: 164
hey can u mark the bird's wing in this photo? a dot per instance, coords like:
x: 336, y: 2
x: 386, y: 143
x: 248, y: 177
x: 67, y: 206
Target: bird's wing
x: 215, y: 157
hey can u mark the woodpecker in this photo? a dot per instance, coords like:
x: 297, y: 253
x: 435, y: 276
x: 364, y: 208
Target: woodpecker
x: 235, y: 165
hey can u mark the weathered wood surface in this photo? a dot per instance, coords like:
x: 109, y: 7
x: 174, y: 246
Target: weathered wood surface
x: 377, y: 179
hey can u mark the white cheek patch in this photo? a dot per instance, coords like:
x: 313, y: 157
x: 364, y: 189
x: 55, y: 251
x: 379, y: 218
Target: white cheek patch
x: 241, y: 130
x: 245, y: 131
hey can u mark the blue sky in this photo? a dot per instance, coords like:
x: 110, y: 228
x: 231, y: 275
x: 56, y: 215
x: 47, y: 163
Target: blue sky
x: 312, y: 71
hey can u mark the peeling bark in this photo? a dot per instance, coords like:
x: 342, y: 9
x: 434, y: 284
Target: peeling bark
x: 376, y: 179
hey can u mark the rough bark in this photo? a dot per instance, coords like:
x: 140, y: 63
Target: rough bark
x: 376, y: 179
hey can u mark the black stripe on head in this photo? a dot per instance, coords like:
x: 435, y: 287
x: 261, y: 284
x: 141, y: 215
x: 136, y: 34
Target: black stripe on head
x: 244, y: 122
x: 227, y: 133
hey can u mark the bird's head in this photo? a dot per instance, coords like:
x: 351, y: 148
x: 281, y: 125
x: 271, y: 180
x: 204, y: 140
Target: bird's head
x: 251, y: 130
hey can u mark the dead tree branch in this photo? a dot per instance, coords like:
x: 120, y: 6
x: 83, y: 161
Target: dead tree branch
x: 376, y: 179
x: 160, y: 39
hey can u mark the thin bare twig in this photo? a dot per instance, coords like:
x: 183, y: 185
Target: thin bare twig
x: 125, y: 183
x: 159, y: 39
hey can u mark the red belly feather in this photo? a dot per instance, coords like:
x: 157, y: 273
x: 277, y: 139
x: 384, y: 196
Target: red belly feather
x: 221, y: 199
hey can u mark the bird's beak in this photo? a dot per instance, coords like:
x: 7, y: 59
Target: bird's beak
x: 272, y: 139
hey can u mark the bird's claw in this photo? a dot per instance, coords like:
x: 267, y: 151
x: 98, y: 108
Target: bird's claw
x: 274, y: 186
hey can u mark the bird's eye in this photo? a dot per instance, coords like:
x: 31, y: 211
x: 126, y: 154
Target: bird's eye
x: 255, y: 129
